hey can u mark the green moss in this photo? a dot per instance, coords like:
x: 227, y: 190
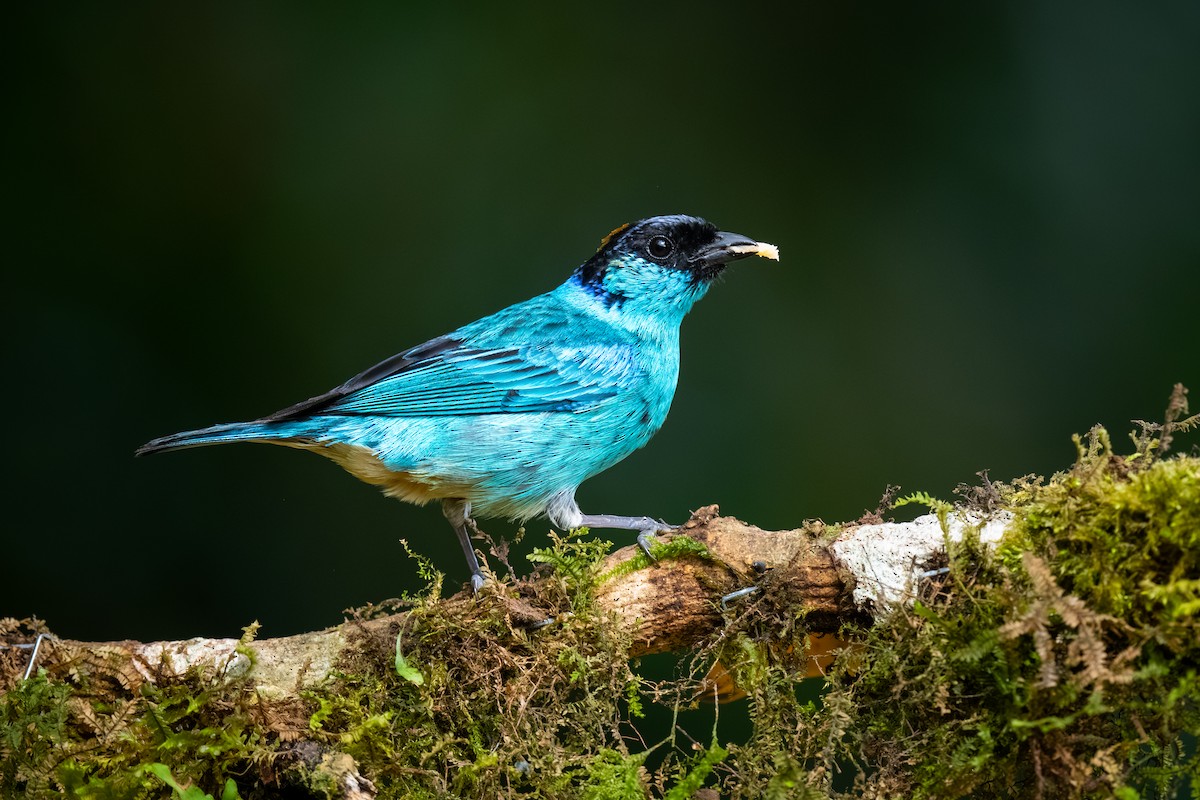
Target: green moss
x: 575, y: 562
x: 615, y: 776
x: 497, y: 709
x: 679, y: 546
x: 1063, y: 664
x: 82, y: 736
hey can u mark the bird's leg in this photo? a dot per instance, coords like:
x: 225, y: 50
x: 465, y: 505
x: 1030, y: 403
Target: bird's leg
x: 645, y: 526
x: 458, y: 514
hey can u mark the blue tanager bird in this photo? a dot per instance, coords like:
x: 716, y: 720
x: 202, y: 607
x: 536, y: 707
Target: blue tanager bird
x: 507, y: 416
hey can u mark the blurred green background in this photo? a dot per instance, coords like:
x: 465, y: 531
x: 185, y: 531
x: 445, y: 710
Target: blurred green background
x: 989, y: 217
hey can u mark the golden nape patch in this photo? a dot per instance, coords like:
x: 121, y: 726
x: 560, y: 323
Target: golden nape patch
x: 758, y: 248
x: 604, y: 242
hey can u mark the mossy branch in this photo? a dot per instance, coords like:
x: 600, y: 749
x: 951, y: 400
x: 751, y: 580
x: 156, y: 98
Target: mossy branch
x: 667, y: 606
x: 672, y: 605
x: 1040, y: 638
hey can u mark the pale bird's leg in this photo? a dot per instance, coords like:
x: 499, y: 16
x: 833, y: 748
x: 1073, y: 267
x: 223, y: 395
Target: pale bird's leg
x: 645, y: 526
x: 458, y: 514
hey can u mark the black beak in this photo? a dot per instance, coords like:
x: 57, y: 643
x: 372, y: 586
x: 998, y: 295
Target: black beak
x: 728, y: 247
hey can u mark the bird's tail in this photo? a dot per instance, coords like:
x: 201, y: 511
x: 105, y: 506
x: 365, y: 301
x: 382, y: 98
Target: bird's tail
x: 277, y: 432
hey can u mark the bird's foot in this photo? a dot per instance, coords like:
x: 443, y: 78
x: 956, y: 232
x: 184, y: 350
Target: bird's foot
x: 478, y: 581
x: 645, y: 539
x: 645, y: 526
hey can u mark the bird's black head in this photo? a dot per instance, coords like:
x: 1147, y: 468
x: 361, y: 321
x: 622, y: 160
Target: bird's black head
x: 671, y: 259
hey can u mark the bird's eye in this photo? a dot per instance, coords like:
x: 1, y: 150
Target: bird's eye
x: 660, y: 247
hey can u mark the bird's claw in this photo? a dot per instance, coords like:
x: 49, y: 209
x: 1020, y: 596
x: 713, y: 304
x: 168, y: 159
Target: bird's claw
x: 478, y: 581
x: 644, y: 540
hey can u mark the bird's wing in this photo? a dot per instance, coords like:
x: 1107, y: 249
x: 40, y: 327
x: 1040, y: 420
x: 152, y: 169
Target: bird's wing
x: 446, y: 376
